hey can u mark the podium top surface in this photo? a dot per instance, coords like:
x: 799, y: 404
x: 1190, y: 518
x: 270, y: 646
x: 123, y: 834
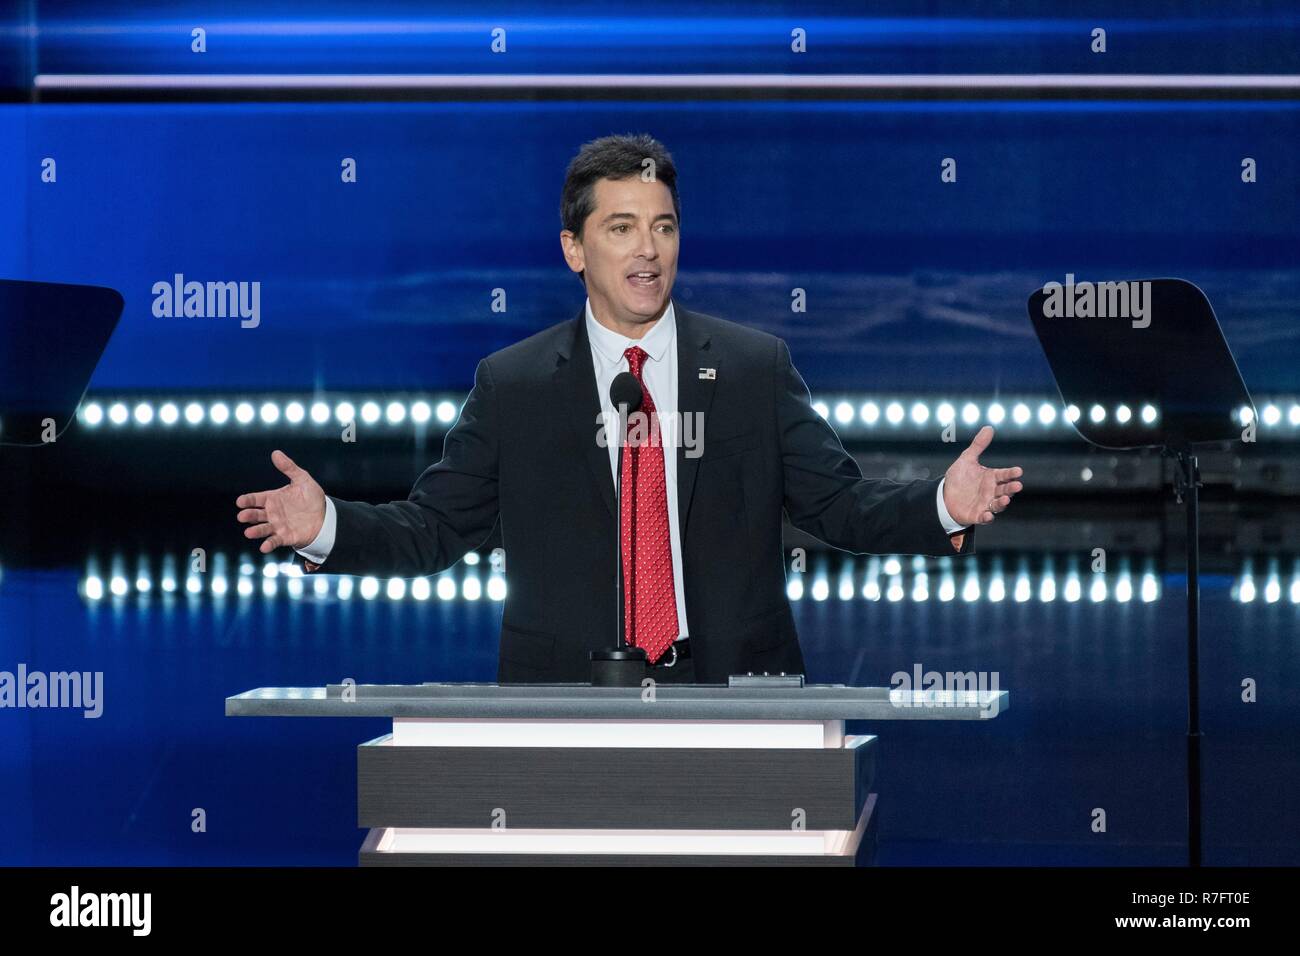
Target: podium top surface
x: 584, y: 702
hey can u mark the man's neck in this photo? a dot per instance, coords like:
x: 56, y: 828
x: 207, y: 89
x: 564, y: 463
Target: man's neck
x: 631, y: 330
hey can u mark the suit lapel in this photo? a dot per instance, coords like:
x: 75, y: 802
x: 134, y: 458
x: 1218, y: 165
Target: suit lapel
x: 575, y: 377
x: 694, y: 396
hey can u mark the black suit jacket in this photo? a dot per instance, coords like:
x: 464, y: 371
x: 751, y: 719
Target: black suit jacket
x: 524, y: 452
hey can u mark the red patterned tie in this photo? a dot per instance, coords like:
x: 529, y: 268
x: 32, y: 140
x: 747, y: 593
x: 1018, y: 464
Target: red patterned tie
x: 650, y: 618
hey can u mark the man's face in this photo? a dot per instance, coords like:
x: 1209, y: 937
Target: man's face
x: 628, y: 249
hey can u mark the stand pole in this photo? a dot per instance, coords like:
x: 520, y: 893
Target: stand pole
x: 1187, y: 481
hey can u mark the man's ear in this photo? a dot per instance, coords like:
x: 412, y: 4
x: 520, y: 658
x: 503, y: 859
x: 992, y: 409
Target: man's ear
x: 571, y: 246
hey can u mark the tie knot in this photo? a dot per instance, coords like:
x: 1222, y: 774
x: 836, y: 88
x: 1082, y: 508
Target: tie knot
x: 635, y: 356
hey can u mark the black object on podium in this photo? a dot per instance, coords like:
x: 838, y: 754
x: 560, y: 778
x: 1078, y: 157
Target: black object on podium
x: 1146, y: 365
x: 51, y: 338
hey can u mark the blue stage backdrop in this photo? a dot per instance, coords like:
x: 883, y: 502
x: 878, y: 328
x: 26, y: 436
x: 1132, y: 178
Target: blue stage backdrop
x: 388, y: 283
x: 911, y: 282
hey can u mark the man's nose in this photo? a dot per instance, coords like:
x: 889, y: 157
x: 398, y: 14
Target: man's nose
x: 646, y: 248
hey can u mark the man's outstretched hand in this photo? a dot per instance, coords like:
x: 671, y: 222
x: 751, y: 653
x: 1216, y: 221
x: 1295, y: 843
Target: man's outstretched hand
x: 290, y: 516
x: 974, y: 494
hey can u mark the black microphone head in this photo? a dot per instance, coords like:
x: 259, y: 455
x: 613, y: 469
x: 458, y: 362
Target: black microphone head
x: 625, y: 390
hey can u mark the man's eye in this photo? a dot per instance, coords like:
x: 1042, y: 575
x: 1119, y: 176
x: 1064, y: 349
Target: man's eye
x: 621, y: 228
x: 668, y: 229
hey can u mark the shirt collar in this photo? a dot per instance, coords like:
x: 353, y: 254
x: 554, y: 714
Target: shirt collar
x: 611, y: 346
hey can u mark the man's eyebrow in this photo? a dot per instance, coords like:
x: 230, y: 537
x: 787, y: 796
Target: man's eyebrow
x: 628, y: 215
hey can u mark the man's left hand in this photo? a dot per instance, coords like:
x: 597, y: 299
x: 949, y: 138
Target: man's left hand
x: 974, y: 494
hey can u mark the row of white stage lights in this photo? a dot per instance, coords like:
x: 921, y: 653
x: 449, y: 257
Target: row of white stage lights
x: 868, y: 414
x: 885, y: 579
x: 1024, y: 414
x: 882, y: 579
x: 1266, y: 587
x: 274, y: 578
x: 137, y: 413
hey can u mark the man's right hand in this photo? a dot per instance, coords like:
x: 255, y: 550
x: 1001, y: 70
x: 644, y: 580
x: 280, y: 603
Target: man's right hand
x: 290, y: 516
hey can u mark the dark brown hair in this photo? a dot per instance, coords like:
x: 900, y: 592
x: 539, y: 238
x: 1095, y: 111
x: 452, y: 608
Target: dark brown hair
x: 612, y: 157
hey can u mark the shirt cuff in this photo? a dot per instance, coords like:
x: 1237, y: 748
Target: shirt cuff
x: 323, y: 544
x: 945, y: 519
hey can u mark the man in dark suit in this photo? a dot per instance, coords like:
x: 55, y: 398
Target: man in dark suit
x: 733, y: 440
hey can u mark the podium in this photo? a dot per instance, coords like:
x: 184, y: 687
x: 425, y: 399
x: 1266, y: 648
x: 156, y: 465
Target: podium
x: 570, y: 774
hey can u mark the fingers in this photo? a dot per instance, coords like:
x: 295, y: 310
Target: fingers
x: 1009, y: 488
x: 1006, y: 474
x: 286, y: 465
x: 253, y: 506
x: 272, y: 541
x: 980, y: 442
x: 996, y: 506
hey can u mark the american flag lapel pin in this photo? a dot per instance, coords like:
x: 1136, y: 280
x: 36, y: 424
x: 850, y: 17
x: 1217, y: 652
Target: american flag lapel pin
x: 708, y: 373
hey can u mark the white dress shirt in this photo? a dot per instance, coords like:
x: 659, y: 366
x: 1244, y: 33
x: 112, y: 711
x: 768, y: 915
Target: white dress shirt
x: 659, y: 372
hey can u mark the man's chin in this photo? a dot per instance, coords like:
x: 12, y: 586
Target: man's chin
x: 644, y: 312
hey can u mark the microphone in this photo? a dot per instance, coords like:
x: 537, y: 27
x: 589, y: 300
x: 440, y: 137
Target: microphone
x: 621, y: 666
x: 625, y: 390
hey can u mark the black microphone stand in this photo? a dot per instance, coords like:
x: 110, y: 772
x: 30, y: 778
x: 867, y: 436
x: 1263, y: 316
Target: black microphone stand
x: 621, y: 666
